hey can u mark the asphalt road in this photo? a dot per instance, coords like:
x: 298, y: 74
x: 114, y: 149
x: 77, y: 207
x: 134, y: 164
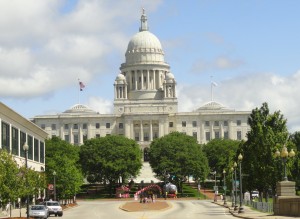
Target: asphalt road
x: 180, y: 209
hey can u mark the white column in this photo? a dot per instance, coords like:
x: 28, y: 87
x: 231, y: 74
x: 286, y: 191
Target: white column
x: 130, y: 81
x: 222, y: 131
x: 131, y: 130
x: 80, y: 140
x: 161, y: 129
x: 127, y: 129
x: 148, y: 80
x: 151, y: 131
x: 159, y: 78
x: 135, y: 79
x: 116, y: 91
x: 154, y: 79
x: 126, y: 87
x: 71, y: 134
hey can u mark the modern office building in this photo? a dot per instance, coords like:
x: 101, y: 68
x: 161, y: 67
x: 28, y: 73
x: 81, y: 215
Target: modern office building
x: 145, y: 104
x: 15, y: 131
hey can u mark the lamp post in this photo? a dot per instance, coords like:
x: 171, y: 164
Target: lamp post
x: 284, y: 154
x: 232, y: 190
x: 235, y: 187
x: 25, y: 148
x: 215, y: 187
x: 224, y: 187
x: 54, y: 185
x: 241, y: 209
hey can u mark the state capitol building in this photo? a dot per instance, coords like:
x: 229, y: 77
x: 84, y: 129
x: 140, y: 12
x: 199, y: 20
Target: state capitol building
x: 145, y: 105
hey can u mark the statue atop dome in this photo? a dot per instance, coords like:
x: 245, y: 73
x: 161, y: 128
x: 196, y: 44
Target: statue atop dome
x: 144, y: 24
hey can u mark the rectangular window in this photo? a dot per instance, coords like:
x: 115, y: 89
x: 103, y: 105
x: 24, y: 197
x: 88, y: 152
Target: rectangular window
x: 183, y: 133
x: 239, y: 135
x: 207, y: 136
x: 195, y: 135
x: 76, y: 139
x: 238, y: 122
x: 53, y: 126
x: 66, y: 126
x: 216, y: 123
x: 146, y: 136
x: 97, y: 135
x: 43, y: 126
x: 97, y: 125
x: 217, y: 135
x: 225, y: 123
x: 22, y: 142
x: 84, y: 137
x: 207, y: 123
x: 42, y: 152
x: 120, y: 125
x: 15, y: 141
x: 5, y: 136
x: 194, y: 123
x: 183, y: 123
x: 226, y: 136
x: 84, y: 126
x: 75, y: 126
x: 108, y: 125
x: 137, y: 136
x: 155, y: 135
x: 67, y: 138
x: 30, y: 148
x: 170, y: 124
x: 36, y: 150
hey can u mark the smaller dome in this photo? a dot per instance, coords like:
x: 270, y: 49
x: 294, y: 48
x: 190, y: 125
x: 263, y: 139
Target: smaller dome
x: 120, y: 77
x: 213, y: 106
x: 170, y: 77
x: 80, y: 108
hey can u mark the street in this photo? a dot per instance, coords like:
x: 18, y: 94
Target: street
x: 179, y: 209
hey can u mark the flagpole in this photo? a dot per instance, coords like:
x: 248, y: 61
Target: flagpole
x: 78, y: 90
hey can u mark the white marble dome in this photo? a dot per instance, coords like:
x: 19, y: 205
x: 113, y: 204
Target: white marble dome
x: 144, y: 47
x: 79, y: 108
x: 120, y: 78
x: 170, y: 77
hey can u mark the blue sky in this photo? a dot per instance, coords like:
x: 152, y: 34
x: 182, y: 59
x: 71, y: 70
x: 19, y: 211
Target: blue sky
x: 249, y: 48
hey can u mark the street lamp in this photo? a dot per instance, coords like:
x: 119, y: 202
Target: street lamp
x: 235, y: 187
x: 215, y: 187
x: 232, y: 189
x: 284, y: 154
x: 25, y: 148
x: 224, y: 187
x: 54, y: 186
x: 241, y: 209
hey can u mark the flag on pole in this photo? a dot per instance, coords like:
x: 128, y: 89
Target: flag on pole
x: 81, y: 85
x: 214, y: 83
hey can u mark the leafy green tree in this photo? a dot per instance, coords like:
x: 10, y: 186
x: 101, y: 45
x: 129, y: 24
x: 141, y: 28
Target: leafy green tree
x: 9, y: 177
x: 63, y: 159
x: 295, y: 138
x: 268, y: 133
x: 110, y: 158
x: 221, y: 154
x: 178, y: 155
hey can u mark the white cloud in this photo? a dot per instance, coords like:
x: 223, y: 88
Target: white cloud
x: 43, y: 49
x: 247, y: 92
x: 100, y: 105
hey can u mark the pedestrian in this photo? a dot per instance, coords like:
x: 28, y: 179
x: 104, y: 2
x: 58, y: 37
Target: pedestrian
x: 7, y: 208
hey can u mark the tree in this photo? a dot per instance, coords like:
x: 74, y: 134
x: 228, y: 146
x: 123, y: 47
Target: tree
x: 178, y: 155
x: 63, y: 158
x: 268, y: 133
x: 295, y: 138
x: 110, y: 158
x: 221, y: 154
x: 9, y: 177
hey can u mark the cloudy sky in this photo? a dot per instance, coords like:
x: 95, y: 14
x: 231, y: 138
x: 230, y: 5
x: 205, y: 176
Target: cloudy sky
x: 251, y: 49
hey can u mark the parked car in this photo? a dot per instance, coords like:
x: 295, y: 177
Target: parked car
x: 54, y: 208
x: 38, y: 211
x: 255, y: 194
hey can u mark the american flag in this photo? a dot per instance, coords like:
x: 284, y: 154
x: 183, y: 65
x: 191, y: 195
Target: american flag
x: 81, y: 85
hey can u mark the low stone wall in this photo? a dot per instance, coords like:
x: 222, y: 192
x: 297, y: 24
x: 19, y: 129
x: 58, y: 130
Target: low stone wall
x: 287, y: 206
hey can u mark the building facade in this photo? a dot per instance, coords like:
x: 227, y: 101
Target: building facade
x: 145, y: 104
x: 15, y: 131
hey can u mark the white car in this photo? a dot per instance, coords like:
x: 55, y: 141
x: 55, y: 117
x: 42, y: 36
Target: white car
x: 255, y: 194
x: 54, y: 208
x: 38, y: 211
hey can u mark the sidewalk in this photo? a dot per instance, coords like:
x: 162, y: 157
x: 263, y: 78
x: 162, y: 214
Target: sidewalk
x: 14, y: 213
x: 251, y: 213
